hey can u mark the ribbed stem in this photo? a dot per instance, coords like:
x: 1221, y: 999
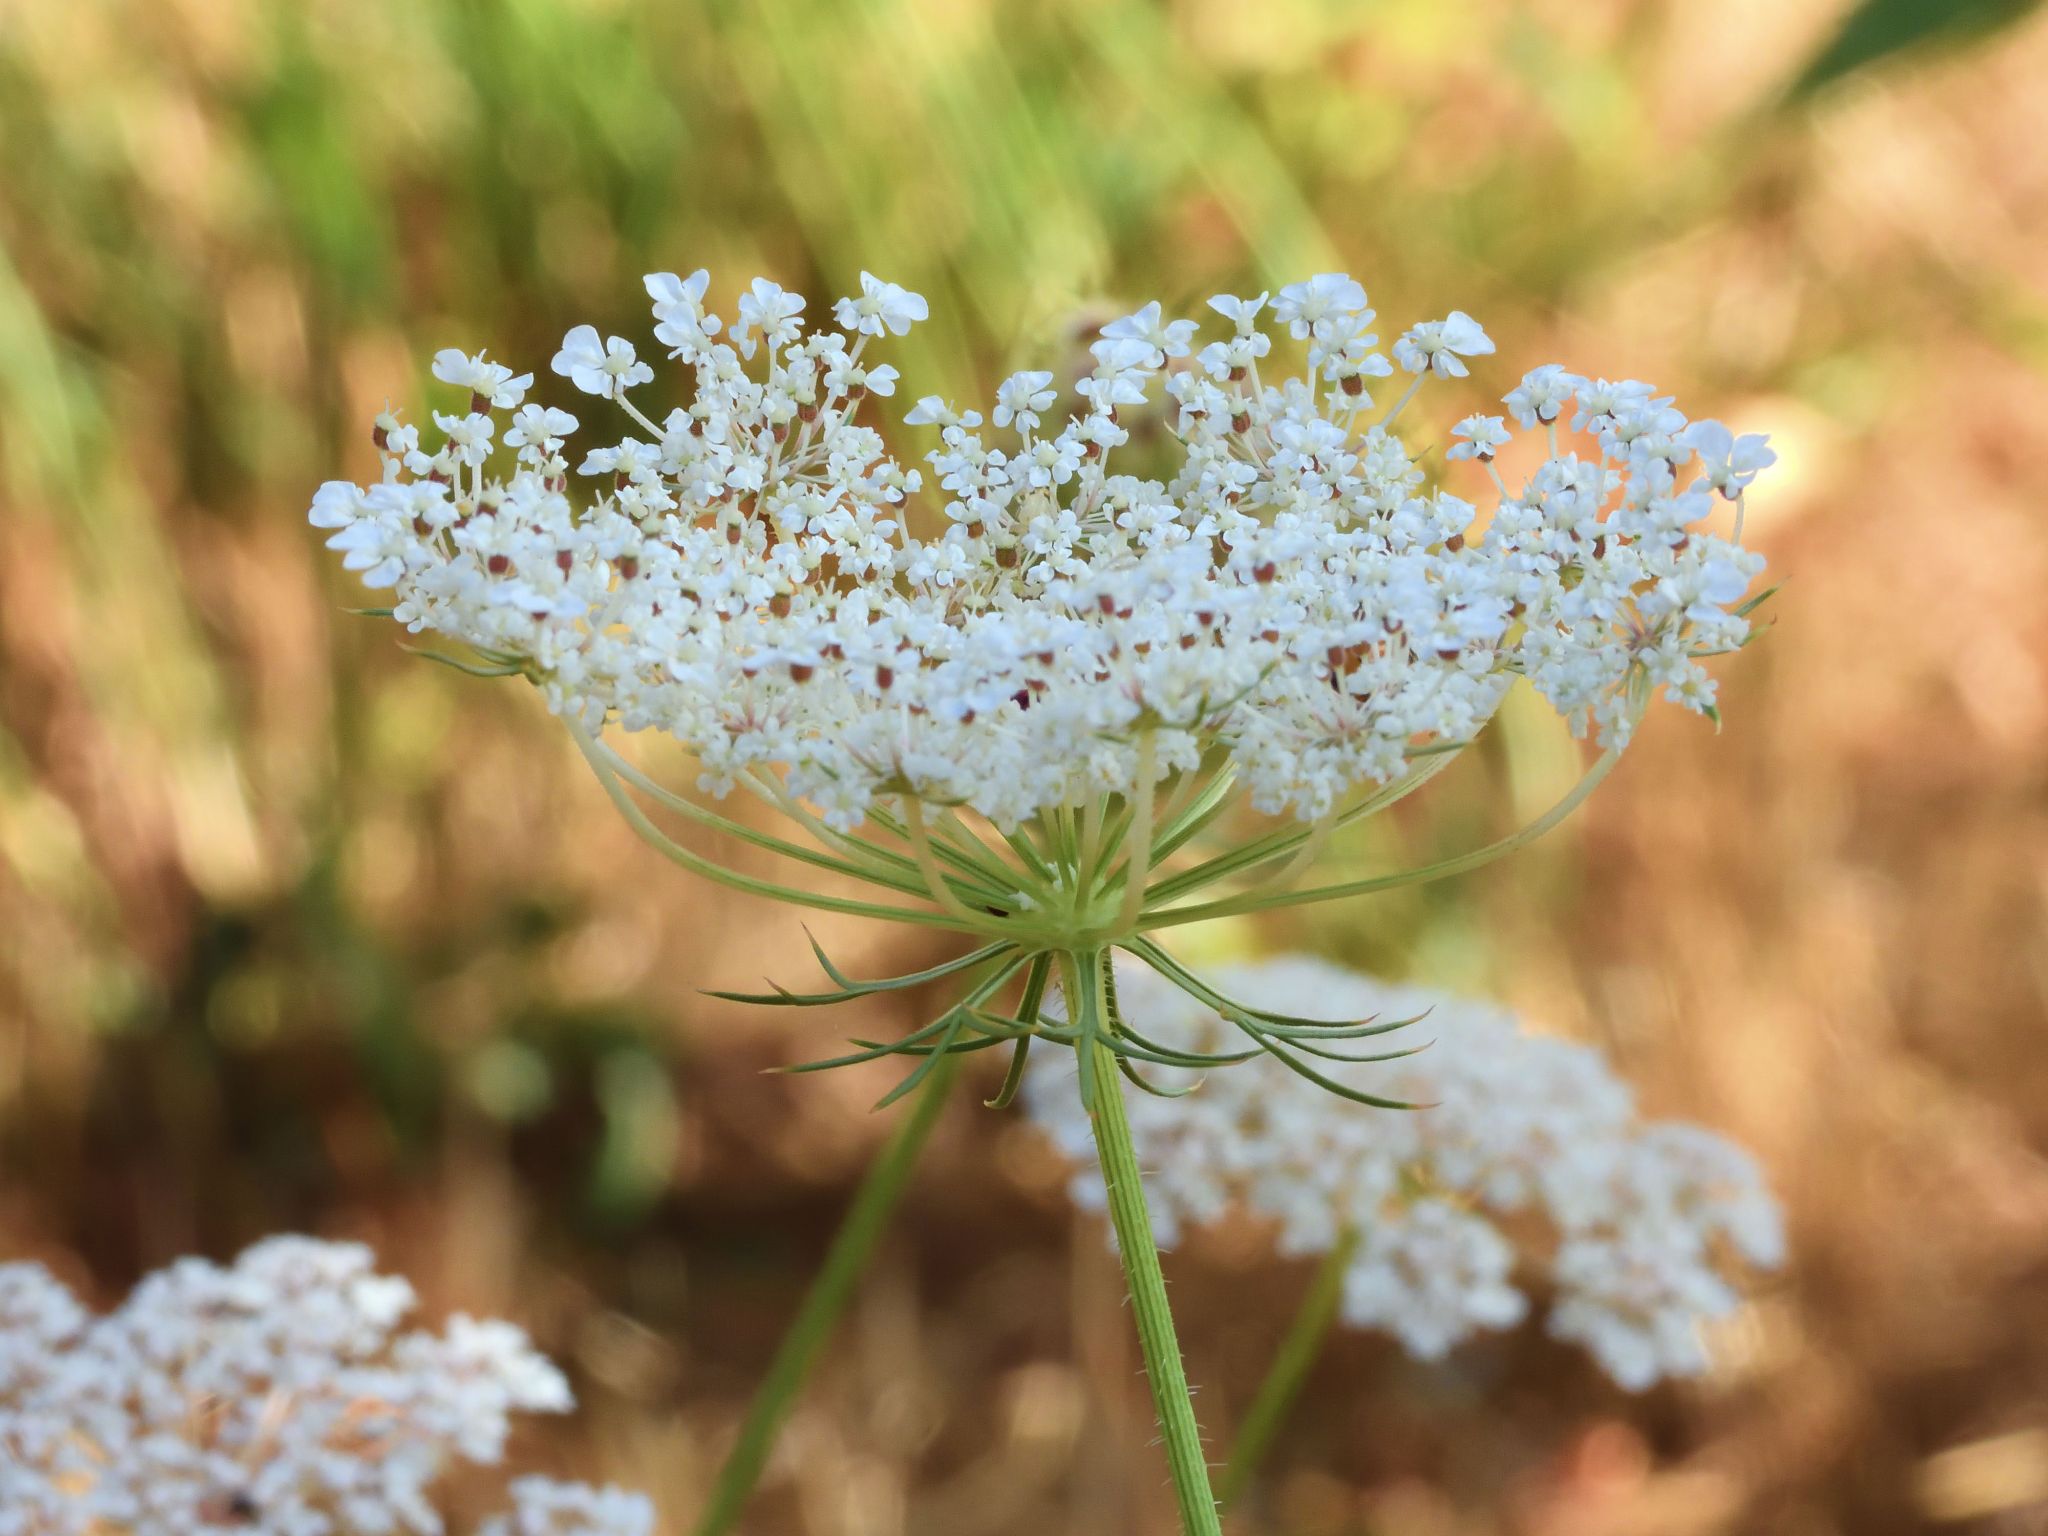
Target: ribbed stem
x: 826, y: 1299
x: 1290, y: 1368
x: 1140, y: 1255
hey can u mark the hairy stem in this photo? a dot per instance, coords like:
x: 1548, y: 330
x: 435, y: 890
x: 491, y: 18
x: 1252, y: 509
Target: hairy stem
x: 1163, y: 1369
x: 851, y: 1248
x: 1277, y: 1393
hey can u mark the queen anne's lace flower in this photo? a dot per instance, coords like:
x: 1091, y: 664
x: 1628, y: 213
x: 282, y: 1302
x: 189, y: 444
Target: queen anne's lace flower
x: 1160, y: 338
x: 1021, y: 686
x: 742, y: 571
x: 1635, y: 1221
x: 1441, y: 346
x: 1479, y: 437
x: 1329, y: 299
x: 277, y: 1397
x: 490, y: 384
x: 881, y: 306
x: 1730, y: 463
x: 610, y: 368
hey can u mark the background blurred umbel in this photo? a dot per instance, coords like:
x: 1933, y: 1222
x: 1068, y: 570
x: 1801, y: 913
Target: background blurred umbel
x: 302, y: 934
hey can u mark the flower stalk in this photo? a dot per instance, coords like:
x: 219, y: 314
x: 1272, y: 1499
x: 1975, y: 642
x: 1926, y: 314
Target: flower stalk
x: 847, y: 1259
x: 1289, y: 1371
x: 1093, y: 989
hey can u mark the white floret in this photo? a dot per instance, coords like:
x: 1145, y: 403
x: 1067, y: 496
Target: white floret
x: 281, y: 1394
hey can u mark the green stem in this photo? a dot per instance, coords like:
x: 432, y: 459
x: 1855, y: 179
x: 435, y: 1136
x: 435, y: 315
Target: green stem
x: 826, y: 1299
x: 1140, y: 1255
x: 1277, y: 1393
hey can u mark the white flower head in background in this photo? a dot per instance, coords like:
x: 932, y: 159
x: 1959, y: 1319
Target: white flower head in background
x: 543, y: 1507
x: 1642, y: 1223
x: 278, y: 1396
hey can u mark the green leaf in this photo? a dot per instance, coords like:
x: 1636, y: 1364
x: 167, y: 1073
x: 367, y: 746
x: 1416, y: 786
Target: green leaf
x: 1145, y: 1049
x: 905, y: 1046
x: 1145, y: 1085
x: 924, y: 1068
x: 1303, y: 1069
x: 1356, y: 1061
x: 1004, y: 1027
x: 1027, y: 1016
x: 851, y: 989
x: 1014, y: 1077
x: 1880, y: 29
x: 955, y: 1049
x: 1284, y: 1025
x: 1746, y: 609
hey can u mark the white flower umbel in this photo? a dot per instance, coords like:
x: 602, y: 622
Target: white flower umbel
x: 279, y: 1396
x: 1014, y: 689
x: 1016, y: 685
x: 1528, y: 1156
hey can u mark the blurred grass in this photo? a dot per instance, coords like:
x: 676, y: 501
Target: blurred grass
x: 294, y: 931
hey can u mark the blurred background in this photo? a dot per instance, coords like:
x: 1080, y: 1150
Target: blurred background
x: 299, y: 933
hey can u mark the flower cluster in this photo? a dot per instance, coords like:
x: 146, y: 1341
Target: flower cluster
x: 1529, y: 1148
x: 277, y: 1397
x: 1288, y: 589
